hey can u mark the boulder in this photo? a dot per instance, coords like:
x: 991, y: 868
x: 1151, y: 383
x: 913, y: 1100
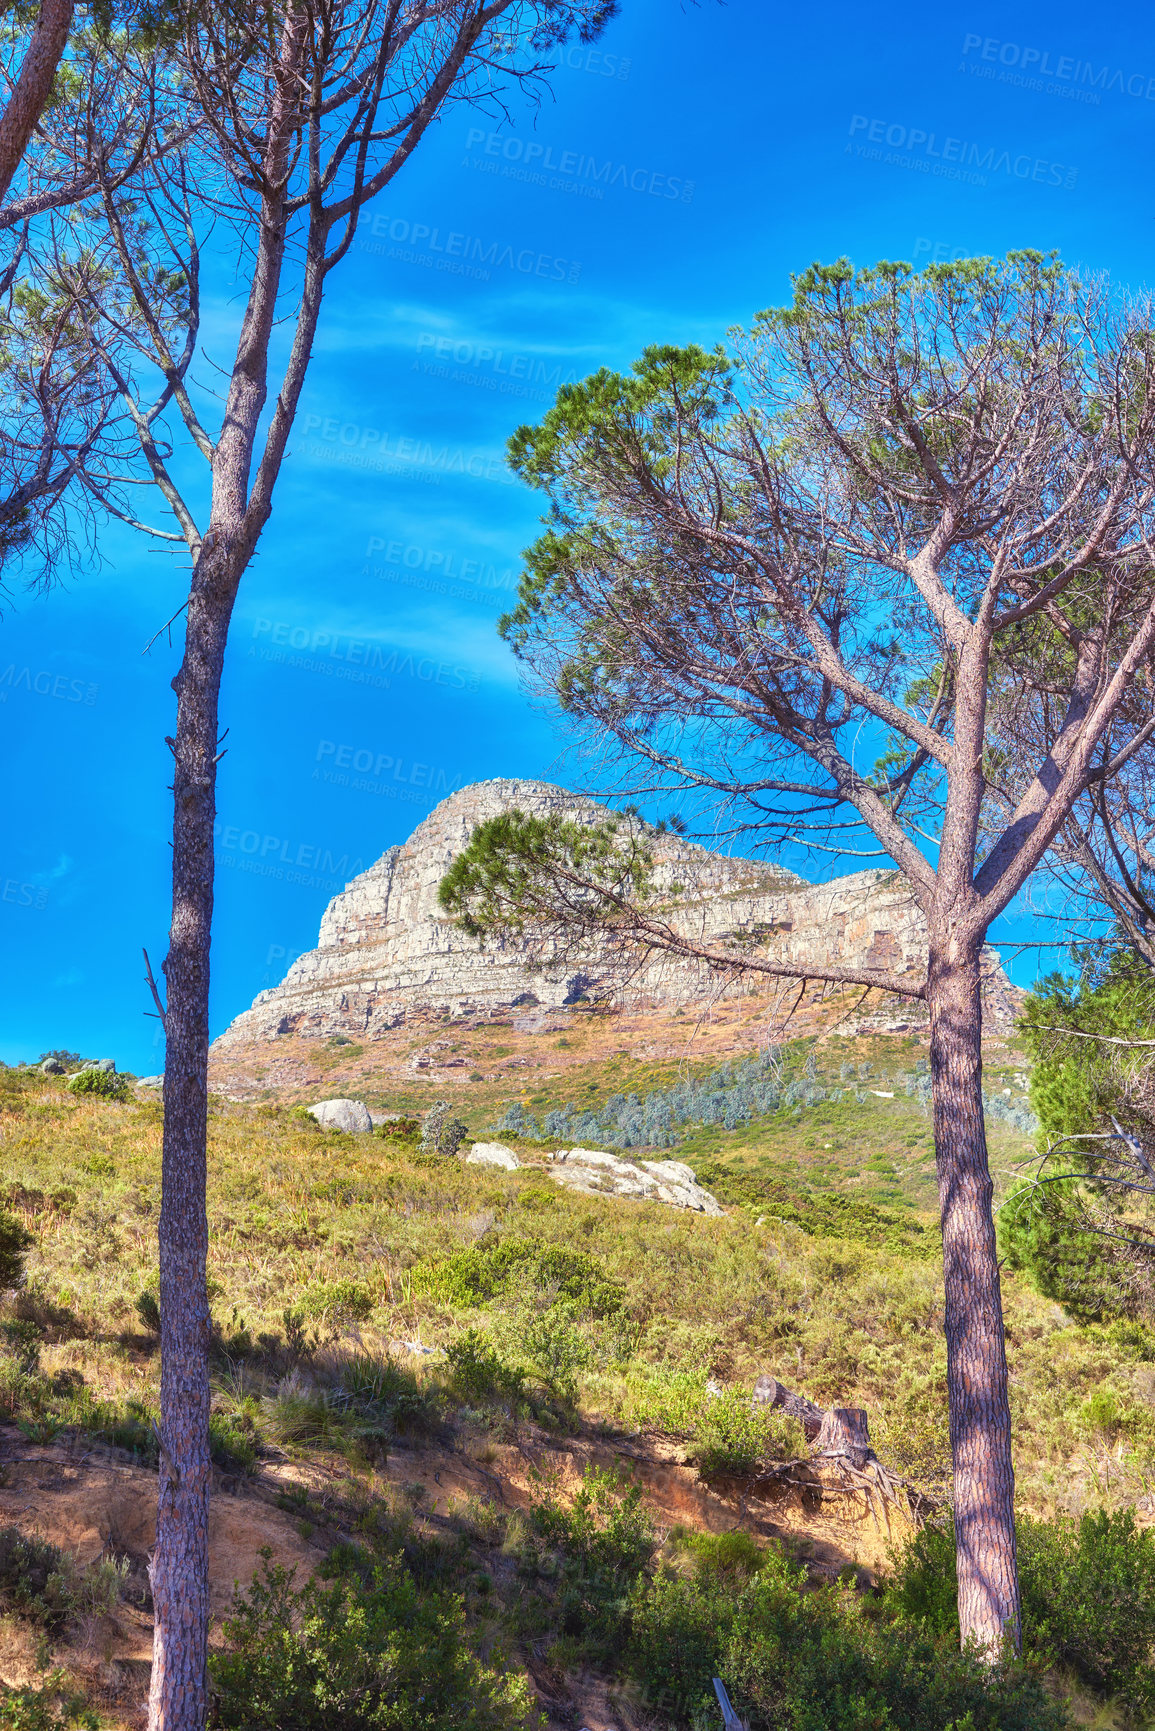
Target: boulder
x: 53, y: 1067
x: 492, y: 1154
x: 667, y: 1181
x: 351, y: 1115
x: 105, y: 1065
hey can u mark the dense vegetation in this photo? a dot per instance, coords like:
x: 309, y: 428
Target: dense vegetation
x: 1082, y: 1239
x: 731, y: 1096
x: 555, y: 1315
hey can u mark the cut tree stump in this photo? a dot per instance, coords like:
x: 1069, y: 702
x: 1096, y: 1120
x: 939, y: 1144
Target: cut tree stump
x: 839, y: 1439
x: 843, y: 1435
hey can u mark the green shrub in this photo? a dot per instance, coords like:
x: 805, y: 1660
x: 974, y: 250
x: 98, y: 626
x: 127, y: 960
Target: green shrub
x: 1089, y: 1600
x: 478, y: 1372
x: 677, y: 1639
x: 1078, y: 1085
x: 1088, y: 1592
x: 35, y: 1578
x: 826, y: 1214
x: 825, y: 1660
x: 23, y: 1339
x: 402, y: 1132
x: 731, y: 1556
x: 924, y: 1587
x: 15, y: 1242
x: 338, y: 1302
x: 603, y: 1542
x: 313, y: 1417
x: 733, y: 1435
x: 367, y: 1400
x: 475, y: 1276
x: 553, y: 1344
x: 1047, y: 1233
x: 356, y: 1655
x: 148, y: 1310
x: 232, y: 1444
x: 662, y: 1399
x: 105, y: 1084
x: 51, y: 1707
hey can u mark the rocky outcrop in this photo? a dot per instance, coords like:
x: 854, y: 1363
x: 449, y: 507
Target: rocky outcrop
x: 599, y: 1174
x: 386, y: 952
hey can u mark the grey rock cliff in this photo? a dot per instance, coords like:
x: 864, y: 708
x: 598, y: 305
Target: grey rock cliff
x: 386, y: 951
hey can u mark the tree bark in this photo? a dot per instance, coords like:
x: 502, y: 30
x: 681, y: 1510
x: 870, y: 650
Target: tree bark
x: 980, y: 1430
x: 33, y: 87
x: 179, y: 1567
x: 768, y: 1391
x: 844, y: 1435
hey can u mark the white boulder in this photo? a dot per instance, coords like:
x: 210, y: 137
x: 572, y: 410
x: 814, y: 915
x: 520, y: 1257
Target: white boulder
x: 492, y: 1154
x: 667, y: 1181
x: 352, y: 1115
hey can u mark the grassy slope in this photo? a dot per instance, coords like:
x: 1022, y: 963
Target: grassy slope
x: 318, y: 1224
x: 855, y: 1320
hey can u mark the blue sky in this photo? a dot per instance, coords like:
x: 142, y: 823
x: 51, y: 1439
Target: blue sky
x: 365, y: 677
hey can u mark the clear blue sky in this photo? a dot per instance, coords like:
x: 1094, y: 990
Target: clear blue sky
x: 754, y: 138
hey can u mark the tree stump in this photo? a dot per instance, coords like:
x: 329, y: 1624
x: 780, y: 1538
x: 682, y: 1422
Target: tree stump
x: 844, y: 1435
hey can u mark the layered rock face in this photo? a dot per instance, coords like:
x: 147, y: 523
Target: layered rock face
x: 386, y: 951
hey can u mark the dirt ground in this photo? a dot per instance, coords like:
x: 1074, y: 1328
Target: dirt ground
x: 96, y: 1504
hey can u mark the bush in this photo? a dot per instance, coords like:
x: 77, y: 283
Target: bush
x: 338, y: 1302
x: 15, y: 1242
x: 734, y: 1435
x: 731, y: 1095
x: 51, y: 1707
x: 825, y: 1660
x: 148, y: 1310
x: 105, y: 1084
x: 475, y: 1276
x: 1048, y: 1234
x: 232, y: 1445
x: 603, y: 1542
x: 404, y: 1132
x: 35, y: 1578
x: 1088, y: 1592
x: 1078, y: 1086
x: 478, y: 1372
x: 357, y: 1655
x: 1089, y: 1600
x: 825, y: 1214
x: 384, y: 1393
x: 441, y: 1133
x: 553, y: 1345
x: 366, y: 1401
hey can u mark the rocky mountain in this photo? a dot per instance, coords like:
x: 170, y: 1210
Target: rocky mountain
x: 386, y: 952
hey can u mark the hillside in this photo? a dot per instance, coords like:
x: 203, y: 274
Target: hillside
x: 419, y: 1356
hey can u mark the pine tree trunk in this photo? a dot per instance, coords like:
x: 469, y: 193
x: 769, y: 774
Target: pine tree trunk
x: 980, y: 1425
x: 179, y: 1568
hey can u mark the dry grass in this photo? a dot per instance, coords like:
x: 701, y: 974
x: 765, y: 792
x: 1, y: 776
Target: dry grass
x: 296, y: 1211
